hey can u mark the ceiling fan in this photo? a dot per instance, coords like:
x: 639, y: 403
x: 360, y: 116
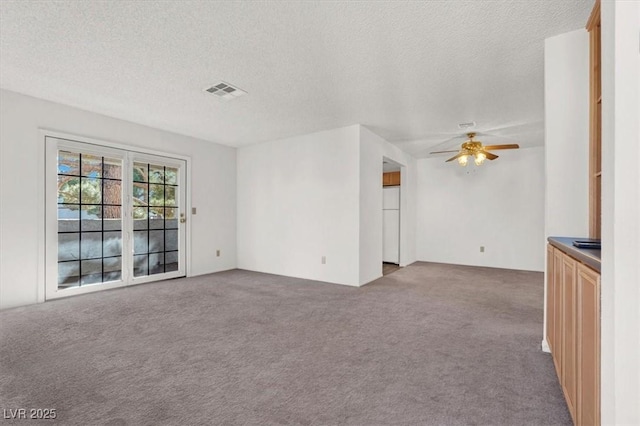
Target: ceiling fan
x: 475, y: 149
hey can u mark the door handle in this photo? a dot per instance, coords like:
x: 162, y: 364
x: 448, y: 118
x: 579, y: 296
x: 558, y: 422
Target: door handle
x: 182, y: 218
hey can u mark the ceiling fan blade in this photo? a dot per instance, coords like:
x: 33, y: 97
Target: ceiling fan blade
x: 507, y: 146
x: 442, y: 152
x: 455, y: 157
x: 448, y: 144
x: 489, y: 155
x: 454, y: 138
x: 514, y: 129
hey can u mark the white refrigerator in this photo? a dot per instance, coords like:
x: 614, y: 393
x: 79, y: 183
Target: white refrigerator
x: 391, y: 224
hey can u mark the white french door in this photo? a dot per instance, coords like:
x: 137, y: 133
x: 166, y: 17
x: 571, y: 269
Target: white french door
x: 114, y: 217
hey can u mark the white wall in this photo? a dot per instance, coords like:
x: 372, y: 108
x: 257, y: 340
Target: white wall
x: 620, y: 286
x: 318, y: 195
x: 373, y: 149
x: 566, y: 103
x: 213, y: 191
x: 499, y: 205
x: 370, y: 205
x: 298, y: 201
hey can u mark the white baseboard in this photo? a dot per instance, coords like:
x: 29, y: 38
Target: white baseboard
x: 545, y: 346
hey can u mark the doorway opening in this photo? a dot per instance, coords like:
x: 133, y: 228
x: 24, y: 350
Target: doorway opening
x: 391, y: 206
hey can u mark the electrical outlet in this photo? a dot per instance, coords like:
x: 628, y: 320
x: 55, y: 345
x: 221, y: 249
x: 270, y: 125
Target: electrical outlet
x: 217, y: 253
x: 324, y: 260
x: 481, y: 249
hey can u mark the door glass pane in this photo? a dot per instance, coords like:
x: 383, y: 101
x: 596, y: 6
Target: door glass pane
x: 156, y: 263
x: 91, y: 165
x: 68, y: 274
x: 140, y: 194
x: 140, y: 172
x: 170, y: 196
x: 68, y: 217
x: 111, y: 244
x: 68, y: 163
x: 91, y: 191
x: 91, y: 271
x: 91, y: 245
x: 156, y: 194
x: 112, y: 218
x: 171, y: 175
x: 171, y: 213
x: 68, y: 188
x: 156, y: 174
x: 112, y: 268
x: 156, y: 241
x: 171, y: 240
x: 140, y: 217
x: 69, y: 246
x: 140, y: 242
x: 140, y: 265
x: 156, y: 218
x: 112, y: 169
x: 89, y: 219
x: 171, y: 261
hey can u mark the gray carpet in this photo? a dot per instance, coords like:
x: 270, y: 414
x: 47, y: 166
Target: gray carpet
x: 430, y: 344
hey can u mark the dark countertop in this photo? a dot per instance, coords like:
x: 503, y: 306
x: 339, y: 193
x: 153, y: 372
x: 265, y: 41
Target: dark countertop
x: 590, y: 257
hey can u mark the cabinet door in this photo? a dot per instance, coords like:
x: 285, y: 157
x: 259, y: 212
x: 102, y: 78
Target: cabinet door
x: 588, y: 283
x: 550, y: 299
x: 391, y: 179
x: 395, y: 178
x: 569, y: 340
x: 558, y: 258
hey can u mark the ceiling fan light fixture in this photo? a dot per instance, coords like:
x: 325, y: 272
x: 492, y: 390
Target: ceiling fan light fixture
x: 476, y: 150
x: 479, y: 158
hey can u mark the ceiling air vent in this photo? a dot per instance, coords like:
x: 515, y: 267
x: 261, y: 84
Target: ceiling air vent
x: 468, y: 125
x: 225, y: 91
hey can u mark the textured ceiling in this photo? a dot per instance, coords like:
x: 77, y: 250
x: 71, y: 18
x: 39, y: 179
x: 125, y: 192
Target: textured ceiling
x: 410, y: 71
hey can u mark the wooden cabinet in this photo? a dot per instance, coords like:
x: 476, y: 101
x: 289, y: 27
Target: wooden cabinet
x: 391, y: 179
x: 595, y: 122
x: 573, y: 289
x: 573, y: 333
x: 588, y: 344
x: 569, y: 345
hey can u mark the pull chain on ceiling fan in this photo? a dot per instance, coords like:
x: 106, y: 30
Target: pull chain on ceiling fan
x: 476, y: 150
